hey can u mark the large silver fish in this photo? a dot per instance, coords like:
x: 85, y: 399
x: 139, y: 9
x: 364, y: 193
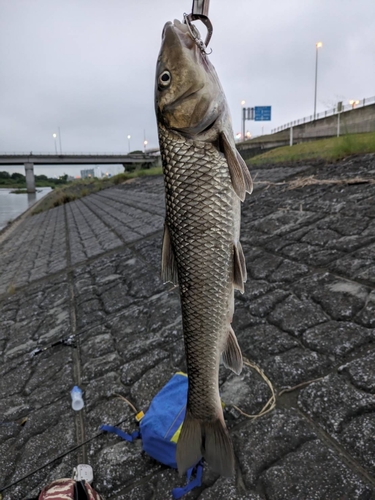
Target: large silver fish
x: 205, y: 180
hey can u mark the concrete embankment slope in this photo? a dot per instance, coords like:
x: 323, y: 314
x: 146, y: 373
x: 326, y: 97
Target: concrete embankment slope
x: 82, y: 303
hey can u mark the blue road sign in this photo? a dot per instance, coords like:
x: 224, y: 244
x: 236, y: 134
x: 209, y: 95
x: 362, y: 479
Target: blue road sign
x: 262, y: 113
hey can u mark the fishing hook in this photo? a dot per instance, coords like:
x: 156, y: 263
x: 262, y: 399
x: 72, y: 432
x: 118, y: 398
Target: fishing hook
x: 199, y: 12
x: 194, y: 33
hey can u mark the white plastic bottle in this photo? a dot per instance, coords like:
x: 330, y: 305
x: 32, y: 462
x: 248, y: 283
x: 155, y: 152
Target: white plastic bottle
x: 77, y: 401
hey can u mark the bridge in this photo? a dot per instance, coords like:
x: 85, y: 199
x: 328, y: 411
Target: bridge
x: 31, y: 159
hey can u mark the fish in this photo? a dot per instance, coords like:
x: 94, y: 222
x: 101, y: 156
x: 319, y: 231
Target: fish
x: 205, y: 180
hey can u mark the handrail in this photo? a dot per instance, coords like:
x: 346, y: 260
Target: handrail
x: 307, y: 119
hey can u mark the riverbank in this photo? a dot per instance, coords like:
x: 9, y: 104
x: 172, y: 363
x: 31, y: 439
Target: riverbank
x: 82, y: 303
x: 79, y: 189
x: 12, y: 205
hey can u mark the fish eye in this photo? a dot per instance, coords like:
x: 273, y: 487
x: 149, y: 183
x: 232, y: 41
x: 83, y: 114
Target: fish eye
x: 165, y: 79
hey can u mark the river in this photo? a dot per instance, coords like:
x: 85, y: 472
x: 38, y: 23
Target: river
x: 13, y: 205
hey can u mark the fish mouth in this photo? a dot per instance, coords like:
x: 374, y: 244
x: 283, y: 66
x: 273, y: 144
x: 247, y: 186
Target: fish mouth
x: 176, y: 25
x: 180, y: 26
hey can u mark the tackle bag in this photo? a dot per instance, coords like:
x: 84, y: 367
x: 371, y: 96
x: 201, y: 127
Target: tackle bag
x: 160, y: 428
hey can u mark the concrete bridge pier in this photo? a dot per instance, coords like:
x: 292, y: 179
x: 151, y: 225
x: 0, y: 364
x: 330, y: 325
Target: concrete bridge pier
x: 30, y: 179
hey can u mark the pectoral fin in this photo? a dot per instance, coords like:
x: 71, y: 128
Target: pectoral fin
x: 239, y: 267
x: 168, y: 261
x: 246, y: 173
x: 239, y: 173
x: 232, y: 356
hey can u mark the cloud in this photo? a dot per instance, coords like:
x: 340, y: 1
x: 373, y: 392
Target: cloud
x: 88, y: 66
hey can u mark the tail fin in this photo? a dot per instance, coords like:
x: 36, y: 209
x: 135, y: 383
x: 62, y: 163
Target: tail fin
x: 208, y: 439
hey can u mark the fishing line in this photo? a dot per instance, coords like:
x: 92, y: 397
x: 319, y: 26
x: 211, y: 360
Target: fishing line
x: 59, y: 457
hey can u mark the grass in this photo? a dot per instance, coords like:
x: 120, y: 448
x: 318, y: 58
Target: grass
x: 19, y: 191
x: 78, y: 189
x: 333, y: 149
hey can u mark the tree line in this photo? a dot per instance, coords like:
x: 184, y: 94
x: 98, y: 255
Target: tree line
x: 19, y: 180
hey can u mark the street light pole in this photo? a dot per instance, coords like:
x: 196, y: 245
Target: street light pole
x: 60, y: 141
x: 243, y: 119
x: 317, y: 46
x: 54, y: 136
x: 129, y: 137
x: 145, y: 142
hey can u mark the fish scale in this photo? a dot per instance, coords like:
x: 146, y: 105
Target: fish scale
x: 200, y: 217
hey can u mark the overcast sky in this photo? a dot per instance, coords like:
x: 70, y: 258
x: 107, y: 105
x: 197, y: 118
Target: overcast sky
x: 87, y: 66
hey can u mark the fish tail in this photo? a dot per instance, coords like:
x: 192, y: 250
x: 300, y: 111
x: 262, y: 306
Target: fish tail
x: 209, y: 439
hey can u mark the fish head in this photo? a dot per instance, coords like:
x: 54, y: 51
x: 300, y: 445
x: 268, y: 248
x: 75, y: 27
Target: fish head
x: 188, y: 94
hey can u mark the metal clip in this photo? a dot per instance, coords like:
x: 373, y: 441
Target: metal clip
x: 200, y: 7
x: 199, y: 12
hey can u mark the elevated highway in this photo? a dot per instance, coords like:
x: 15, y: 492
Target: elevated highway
x: 328, y: 124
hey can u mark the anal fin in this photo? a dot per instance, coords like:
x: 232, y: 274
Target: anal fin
x: 232, y: 356
x: 168, y: 260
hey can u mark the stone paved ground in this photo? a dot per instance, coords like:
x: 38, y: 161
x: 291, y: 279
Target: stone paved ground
x: 82, y: 303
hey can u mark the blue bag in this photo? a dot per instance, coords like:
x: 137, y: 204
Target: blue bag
x: 160, y: 428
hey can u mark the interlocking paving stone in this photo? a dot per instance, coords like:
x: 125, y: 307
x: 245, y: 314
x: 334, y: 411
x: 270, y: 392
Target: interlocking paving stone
x: 248, y: 392
x: 360, y: 265
x: 361, y: 372
x: 327, y: 477
x: 34, y: 320
x: 285, y: 431
x: 88, y: 235
x: 367, y: 316
x: 345, y: 412
x: 337, y: 338
x: 146, y: 201
x: 150, y: 250
x: 222, y: 490
x: 295, y: 315
x: 46, y: 433
x: 341, y: 299
x: 89, y: 272
x: 357, y: 437
x: 324, y: 402
x: 40, y: 253
x: 111, y: 284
